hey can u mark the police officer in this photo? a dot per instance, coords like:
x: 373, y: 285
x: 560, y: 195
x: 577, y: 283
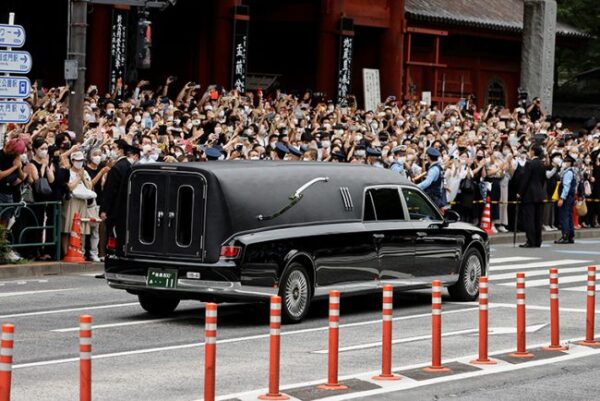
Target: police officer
x: 373, y: 156
x: 433, y: 185
x: 566, y: 190
x: 399, y: 154
x: 213, y: 154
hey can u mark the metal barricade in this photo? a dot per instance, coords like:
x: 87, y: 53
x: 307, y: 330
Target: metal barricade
x: 29, y: 212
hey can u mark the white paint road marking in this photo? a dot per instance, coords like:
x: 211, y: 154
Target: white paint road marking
x: 491, y: 331
x: 574, y: 352
x: 532, y: 307
x: 579, y: 289
x: 497, y: 261
x: 20, y: 293
x: 549, y: 263
x: 544, y: 282
x: 226, y: 341
x: 57, y: 311
x: 122, y: 324
x: 533, y: 273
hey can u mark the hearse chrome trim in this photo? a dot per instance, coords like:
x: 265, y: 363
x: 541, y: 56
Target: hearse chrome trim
x: 294, y: 198
x: 137, y: 282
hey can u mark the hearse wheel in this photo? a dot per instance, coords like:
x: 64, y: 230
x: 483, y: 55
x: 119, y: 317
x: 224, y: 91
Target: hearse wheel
x: 295, y: 293
x: 158, y: 305
x: 467, y: 287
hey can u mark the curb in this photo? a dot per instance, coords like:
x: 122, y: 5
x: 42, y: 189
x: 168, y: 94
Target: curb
x: 48, y: 268
x: 507, y: 238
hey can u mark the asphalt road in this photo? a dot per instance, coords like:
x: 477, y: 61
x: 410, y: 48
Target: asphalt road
x: 139, y: 358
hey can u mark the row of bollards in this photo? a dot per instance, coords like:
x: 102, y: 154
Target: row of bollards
x: 210, y: 344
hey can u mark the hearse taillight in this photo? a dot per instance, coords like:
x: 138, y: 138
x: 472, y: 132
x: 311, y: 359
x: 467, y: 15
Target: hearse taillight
x: 230, y: 252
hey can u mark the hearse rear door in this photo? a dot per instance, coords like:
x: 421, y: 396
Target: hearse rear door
x: 165, y: 214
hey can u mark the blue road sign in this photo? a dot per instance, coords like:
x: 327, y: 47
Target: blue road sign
x: 14, y: 112
x: 12, y: 36
x: 15, y: 61
x: 14, y: 87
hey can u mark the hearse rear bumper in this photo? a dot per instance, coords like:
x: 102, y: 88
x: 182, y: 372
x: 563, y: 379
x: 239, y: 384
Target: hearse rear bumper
x: 219, y: 280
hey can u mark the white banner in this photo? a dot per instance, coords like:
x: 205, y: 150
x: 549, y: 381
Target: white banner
x: 372, y: 89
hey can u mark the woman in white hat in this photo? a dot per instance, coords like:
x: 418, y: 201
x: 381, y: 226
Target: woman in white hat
x: 80, y: 189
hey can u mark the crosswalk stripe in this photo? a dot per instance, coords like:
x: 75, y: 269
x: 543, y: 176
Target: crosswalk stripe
x: 544, y: 282
x: 547, y: 263
x: 583, y: 288
x: 533, y: 273
x: 497, y: 261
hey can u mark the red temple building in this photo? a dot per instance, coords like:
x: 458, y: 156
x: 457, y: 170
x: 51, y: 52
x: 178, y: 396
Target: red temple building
x: 450, y: 48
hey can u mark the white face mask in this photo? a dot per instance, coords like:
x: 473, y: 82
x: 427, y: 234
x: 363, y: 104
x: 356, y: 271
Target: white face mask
x: 153, y: 156
x: 42, y: 153
x: 96, y: 159
x: 326, y: 144
x: 557, y: 161
x: 137, y: 119
x: 522, y: 162
x: 357, y: 138
x: 113, y: 154
x: 574, y: 155
x: 131, y: 160
x: 78, y: 164
x: 559, y: 125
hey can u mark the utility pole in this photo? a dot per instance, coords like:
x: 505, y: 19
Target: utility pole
x: 76, y: 51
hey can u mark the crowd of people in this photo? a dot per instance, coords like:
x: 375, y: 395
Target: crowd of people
x: 470, y: 151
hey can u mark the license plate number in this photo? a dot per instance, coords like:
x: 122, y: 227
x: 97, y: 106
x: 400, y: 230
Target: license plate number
x: 161, y: 278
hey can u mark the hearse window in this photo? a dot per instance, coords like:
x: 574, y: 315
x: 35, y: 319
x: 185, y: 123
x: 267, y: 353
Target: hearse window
x: 369, y: 208
x: 185, y: 211
x: 147, y: 213
x: 387, y: 204
x: 418, y: 207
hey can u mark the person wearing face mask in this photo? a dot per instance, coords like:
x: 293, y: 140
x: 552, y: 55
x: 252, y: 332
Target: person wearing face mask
x: 80, y: 188
x: 532, y: 196
x: 567, y: 190
x: 97, y: 171
x: 552, y: 176
x: 433, y: 185
x: 113, y: 203
x: 399, y: 158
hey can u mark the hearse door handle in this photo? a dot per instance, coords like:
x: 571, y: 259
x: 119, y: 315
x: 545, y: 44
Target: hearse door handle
x: 171, y: 217
x: 378, y: 237
x: 159, y: 217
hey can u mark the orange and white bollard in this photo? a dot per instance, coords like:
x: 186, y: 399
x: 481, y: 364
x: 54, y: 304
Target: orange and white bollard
x: 521, y: 320
x: 554, y: 314
x: 334, y: 332
x: 274, y: 352
x: 483, y: 358
x: 590, y: 340
x: 386, y: 340
x: 436, y: 329
x: 6, y: 357
x: 85, y: 358
x: 210, y: 351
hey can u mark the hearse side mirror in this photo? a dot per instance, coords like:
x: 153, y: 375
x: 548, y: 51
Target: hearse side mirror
x: 451, y: 216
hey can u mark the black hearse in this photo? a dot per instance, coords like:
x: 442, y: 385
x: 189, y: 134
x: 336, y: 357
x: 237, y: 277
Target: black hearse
x: 230, y: 231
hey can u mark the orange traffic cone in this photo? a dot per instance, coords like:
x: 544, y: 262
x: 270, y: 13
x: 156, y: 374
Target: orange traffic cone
x: 486, y: 218
x: 74, y: 252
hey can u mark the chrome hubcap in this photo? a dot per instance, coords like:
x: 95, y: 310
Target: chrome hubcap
x: 296, y: 293
x: 472, y: 275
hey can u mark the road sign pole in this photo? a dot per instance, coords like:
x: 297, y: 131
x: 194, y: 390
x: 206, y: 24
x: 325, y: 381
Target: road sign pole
x: 77, y: 51
x: 3, y: 127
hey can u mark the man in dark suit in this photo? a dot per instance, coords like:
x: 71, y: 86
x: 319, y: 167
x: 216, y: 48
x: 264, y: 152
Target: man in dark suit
x: 114, y: 202
x: 532, y: 196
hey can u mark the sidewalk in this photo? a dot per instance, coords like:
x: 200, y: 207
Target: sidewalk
x: 547, y: 236
x: 34, y: 269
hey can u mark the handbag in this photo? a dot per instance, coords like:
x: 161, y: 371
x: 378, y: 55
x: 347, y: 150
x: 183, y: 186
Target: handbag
x: 581, y: 208
x: 81, y: 192
x: 466, y: 185
x: 42, y: 187
x: 555, y: 195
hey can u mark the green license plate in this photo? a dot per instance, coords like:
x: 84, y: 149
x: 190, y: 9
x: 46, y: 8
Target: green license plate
x: 161, y: 278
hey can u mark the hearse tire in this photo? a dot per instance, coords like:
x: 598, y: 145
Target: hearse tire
x: 466, y: 288
x: 158, y: 305
x: 295, y: 292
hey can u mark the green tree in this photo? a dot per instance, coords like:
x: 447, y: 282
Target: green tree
x: 584, y: 15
